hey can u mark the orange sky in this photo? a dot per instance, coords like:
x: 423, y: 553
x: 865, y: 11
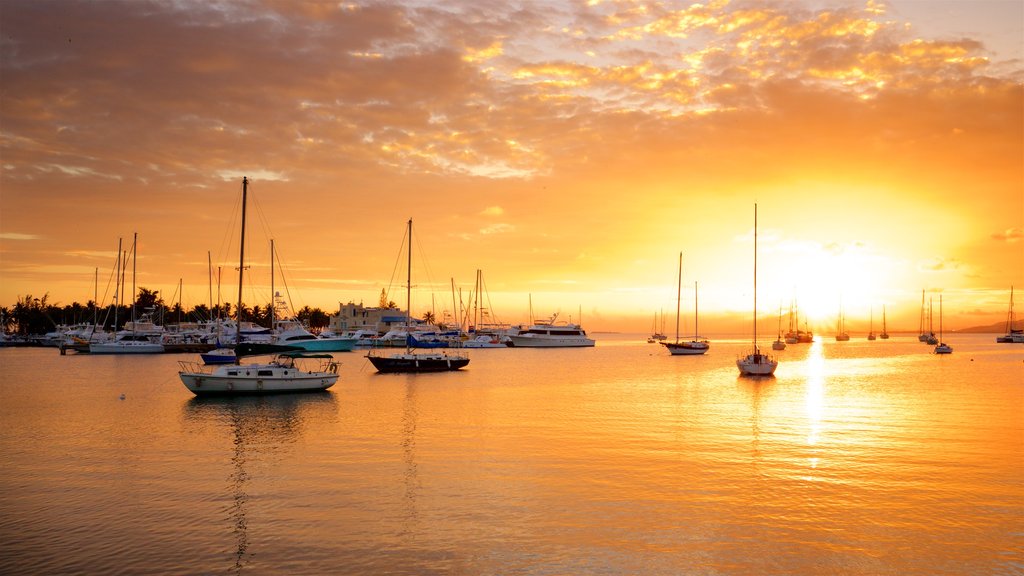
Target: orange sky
x: 569, y: 150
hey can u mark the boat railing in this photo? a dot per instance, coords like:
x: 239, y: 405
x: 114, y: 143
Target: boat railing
x: 195, y: 367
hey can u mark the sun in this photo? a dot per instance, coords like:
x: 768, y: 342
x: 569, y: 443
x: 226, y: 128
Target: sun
x: 820, y: 279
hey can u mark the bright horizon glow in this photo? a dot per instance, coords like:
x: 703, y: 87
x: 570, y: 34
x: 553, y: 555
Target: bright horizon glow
x: 568, y: 151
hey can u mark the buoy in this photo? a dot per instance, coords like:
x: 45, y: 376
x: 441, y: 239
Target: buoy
x: 122, y: 396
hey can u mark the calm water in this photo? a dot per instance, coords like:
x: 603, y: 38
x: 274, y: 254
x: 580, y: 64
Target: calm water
x: 857, y: 458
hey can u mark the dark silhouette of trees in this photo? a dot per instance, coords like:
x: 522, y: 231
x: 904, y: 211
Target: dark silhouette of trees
x: 34, y: 316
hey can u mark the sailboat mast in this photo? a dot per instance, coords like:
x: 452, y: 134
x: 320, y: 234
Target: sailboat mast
x: 209, y: 278
x: 241, y: 262
x: 755, y: 278
x: 118, y: 289
x: 273, y: 296
x: 696, y: 332
x: 135, y: 243
x: 408, y: 289
x: 679, y: 290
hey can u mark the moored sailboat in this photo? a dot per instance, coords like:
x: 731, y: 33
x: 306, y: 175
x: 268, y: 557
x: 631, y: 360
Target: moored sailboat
x: 282, y: 374
x: 410, y: 361
x: 779, y: 343
x: 697, y: 345
x: 756, y: 363
x: 841, y: 334
x: 942, y: 347
x: 1013, y: 335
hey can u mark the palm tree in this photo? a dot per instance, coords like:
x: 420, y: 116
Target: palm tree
x: 428, y: 317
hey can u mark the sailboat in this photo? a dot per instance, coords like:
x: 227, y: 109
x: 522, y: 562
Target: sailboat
x: 871, y: 332
x: 696, y: 346
x: 410, y: 361
x: 756, y: 363
x: 657, y: 335
x: 885, y: 334
x: 841, y: 334
x: 287, y: 372
x: 127, y: 341
x: 922, y: 336
x: 930, y: 338
x: 1012, y: 336
x: 779, y: 344
x: 942, y: 347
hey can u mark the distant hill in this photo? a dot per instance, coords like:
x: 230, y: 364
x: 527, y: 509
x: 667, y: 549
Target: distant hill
x: 996, y: 328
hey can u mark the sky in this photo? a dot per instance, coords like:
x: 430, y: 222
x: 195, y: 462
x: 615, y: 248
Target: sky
x: 568, y: 150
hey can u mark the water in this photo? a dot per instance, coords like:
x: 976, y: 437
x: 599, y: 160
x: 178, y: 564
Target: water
x: 857, y: 458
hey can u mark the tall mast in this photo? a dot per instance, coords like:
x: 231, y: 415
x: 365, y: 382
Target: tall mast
x: 940, y: 318
x: 273, y: 296
x: 755, y: 278
x: 679, y: 290
x: 241, y: 261
x: 696, y: 332
x: 135, y: 244
x: 408, y: 289
x: 118, y: 290
x: 209, y: 277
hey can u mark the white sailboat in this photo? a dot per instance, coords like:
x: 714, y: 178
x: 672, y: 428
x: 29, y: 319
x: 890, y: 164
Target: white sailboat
x: 696, y: 346
x: 779, y: 343
x: 841, y: 334
x: 1013, y: 335
x: 287, y: 372
x: 128, y: 341
x: 756, y: 363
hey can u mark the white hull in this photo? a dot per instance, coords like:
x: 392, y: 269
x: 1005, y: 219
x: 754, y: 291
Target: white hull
x: 756, y: 365
x: 540, y: 341
x: 129, y: 347
x: 778, y: 345
x: 208, y: 384
x: 694, y: 348
x: 483, y: 342
x: 272, y: 378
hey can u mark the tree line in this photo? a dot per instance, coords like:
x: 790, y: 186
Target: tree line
x: 32, y: 315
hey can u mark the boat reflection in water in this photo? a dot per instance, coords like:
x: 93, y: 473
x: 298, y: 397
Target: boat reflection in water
x: 260, y: 428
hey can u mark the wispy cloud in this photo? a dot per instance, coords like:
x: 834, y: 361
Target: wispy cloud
x: 1009, y: 235
x: 17, y: 236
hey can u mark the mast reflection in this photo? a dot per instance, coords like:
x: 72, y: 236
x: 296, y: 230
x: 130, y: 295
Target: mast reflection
x: 258, y: 425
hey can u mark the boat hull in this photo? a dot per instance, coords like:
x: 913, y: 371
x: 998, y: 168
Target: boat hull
x: 756, y: 365
x: 418, y: 363
x: 126, y: 348
x: 324, y: 344
x: 202, y: 384
x: 686, y: 348
x: 528, y: 341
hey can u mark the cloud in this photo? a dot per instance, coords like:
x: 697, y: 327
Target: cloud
x: 492, y: 211
x: 1010, y: 235
x: 499, y: 228
x: 18, y: 236
x: 939, y: 265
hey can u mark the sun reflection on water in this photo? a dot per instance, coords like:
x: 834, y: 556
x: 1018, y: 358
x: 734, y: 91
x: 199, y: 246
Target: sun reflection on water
x: 814, y: 371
